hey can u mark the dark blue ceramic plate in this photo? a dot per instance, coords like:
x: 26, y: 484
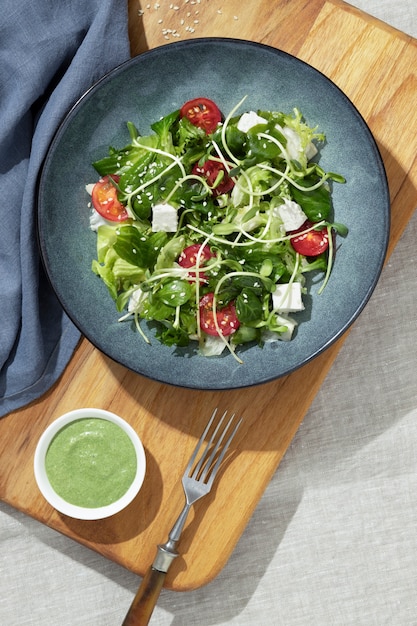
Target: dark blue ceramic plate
x: 150, y: 86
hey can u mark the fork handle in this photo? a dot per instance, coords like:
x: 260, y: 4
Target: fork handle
x: 145, y: 599
x: 147, y: 595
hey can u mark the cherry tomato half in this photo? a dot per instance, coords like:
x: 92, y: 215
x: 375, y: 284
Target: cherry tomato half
x: 188, y: 258
x: 312, y: 243
x: 106, y: 202
x: 226, y: 317
x: 203, y: 113
x: 210, y: 170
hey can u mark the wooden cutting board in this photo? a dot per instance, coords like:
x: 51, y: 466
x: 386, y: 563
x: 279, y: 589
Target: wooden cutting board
x: 373, y: 64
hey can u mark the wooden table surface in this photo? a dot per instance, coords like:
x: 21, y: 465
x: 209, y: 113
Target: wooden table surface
x: 373, y: 64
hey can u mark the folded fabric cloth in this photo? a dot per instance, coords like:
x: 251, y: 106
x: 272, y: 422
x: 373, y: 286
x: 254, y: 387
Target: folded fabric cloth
x: 50, y: 54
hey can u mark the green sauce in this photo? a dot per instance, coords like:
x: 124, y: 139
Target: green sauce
x: 91, y: 462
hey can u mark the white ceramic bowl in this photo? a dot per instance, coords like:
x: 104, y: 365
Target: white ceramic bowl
x: 73, y: 510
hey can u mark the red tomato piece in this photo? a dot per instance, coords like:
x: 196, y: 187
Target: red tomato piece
x: 106, y: 202
x: 203, y: 113
x: 312, y: 243
x: 210, y: 170
x: 188, y: 258
x: 227, y: 319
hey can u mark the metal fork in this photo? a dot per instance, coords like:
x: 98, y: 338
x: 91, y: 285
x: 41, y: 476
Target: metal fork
x: 197, y: 481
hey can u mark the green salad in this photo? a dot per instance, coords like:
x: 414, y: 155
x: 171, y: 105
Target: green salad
x: 207, y: 227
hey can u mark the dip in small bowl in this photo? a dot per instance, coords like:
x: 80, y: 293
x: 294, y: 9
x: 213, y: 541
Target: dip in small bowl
x: 89, y: 464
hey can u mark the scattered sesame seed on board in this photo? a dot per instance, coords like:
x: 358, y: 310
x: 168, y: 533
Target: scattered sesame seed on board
x: 187, y: 24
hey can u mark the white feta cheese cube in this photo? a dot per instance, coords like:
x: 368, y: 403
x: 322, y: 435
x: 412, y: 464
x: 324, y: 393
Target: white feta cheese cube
x: 292, y: 215
x: 311, y: 150
x: 97, y: 220
x: 289, y: 323
x: 293, y: 146
x: 212, y: 346
x: 283, y: 320
x: 249, y: 120
x: 164, y: 218
x: 287, y: 298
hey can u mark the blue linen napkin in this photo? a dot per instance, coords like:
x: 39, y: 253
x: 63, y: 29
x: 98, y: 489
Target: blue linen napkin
x: 50, y: 54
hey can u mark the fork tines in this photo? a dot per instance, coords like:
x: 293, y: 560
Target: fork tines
x: 215, y: 450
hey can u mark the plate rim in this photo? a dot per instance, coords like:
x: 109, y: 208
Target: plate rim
x: 108, y: 76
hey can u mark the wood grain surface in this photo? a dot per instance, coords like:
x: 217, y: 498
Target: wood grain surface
x: 375, y: 66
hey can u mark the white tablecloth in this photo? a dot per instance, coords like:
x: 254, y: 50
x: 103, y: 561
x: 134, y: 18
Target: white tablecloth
x: 333, y: 541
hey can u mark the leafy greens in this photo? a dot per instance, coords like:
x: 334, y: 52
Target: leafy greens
x: 272, y: 165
